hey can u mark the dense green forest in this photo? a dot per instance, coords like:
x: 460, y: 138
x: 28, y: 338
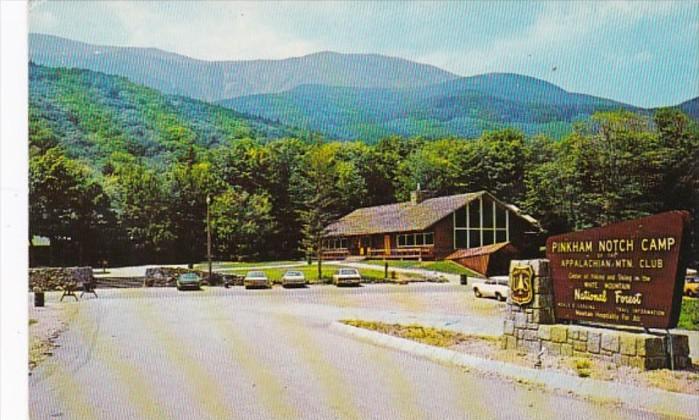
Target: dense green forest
x: 122, y: 172
x: 98, y: 117
x: 463, y: 107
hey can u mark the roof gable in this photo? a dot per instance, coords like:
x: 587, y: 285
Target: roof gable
x: 405, y: 216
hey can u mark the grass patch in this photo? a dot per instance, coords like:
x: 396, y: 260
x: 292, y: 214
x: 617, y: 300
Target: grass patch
x: 38, y: 351
x: 689, y: 315
x: 426, y: 335
x: 673, y: 381
x: 583, y: 367
x: 449, y: 267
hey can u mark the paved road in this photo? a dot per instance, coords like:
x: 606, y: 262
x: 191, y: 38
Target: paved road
x: 220, y: 354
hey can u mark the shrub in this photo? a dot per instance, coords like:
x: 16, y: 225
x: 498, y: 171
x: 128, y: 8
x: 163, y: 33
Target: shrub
x: 583, y: 367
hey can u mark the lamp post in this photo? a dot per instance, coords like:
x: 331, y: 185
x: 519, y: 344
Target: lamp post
x: 208, y: 234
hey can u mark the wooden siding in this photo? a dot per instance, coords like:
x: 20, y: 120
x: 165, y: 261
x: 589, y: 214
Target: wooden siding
x: 478, y: 263
x: 490, y: 263
x: 443, y: 237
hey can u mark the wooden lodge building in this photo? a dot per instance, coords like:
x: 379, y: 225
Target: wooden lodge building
x: 475, y: 229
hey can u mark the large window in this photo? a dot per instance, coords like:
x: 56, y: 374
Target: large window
x: 415, y: 239
x: 335, y: 243
x: 481, y: 222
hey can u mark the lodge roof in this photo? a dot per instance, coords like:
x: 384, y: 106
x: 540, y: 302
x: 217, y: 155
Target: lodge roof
x: 406, y: 216
x: 481, y: 250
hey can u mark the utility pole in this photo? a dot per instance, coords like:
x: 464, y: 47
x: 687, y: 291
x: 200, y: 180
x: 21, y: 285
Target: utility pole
x: 208, y: 234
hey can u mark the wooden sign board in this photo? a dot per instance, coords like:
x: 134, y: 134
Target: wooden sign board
x: 628, y: 273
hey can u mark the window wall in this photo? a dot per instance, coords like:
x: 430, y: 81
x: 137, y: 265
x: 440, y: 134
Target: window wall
x: 415, y: 239
x: 335, y: 243
x: 481, y: 222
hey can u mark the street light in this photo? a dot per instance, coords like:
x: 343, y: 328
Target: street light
x: 208, y: 234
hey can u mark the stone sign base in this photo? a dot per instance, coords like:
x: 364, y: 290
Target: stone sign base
x: 623, y: 348
x: 532, y: 327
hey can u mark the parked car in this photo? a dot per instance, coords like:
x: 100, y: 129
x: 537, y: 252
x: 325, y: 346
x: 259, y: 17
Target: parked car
x: 188, y: 281
x: 347, y: 277
x: 496, y: 287
x: 293, y: 278
x: 256, y: 279
x: 691, y: 283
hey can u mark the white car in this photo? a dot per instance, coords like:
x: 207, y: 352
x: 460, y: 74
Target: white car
x: 293, y: 278
x: 497, y: 287
x: 256, y: 279
x: 347, y: 277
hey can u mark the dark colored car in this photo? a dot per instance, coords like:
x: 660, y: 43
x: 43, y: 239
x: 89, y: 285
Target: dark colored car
x: 188, y: 281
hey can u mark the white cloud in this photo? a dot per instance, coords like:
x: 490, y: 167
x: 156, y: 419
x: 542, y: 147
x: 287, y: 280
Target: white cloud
x: 558, y: 29
x: 42, y: 18
x: 236, y: 31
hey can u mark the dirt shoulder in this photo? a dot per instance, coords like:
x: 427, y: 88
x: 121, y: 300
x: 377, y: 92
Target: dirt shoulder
x: 45, y: 325
x: 486, y: 347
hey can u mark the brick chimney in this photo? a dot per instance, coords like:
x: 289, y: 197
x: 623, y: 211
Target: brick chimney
x: 417, y: 196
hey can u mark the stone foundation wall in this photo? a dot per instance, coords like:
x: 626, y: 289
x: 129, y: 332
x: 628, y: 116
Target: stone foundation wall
x: 627, y: 348
x: 54, y: 278
x: 532, y: 327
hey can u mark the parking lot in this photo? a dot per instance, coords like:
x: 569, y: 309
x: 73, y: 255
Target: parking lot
x: 232, y: 353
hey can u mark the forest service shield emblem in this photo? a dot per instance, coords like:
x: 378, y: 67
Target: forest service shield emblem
x: 521, y: 291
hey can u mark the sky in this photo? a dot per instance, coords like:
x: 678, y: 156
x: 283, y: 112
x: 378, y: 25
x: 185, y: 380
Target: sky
x: 641, y: 53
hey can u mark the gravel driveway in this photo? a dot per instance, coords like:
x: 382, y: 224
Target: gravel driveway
x: 231, y: 353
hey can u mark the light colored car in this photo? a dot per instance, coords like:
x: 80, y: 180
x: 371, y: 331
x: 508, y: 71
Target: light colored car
x: 347, y: 277
x: 496, y: 287
x: 188, y: 281
x: 256, y: 279
x: 293, y: 278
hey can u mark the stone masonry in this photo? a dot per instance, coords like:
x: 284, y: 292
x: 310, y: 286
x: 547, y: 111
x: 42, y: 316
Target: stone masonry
x: 522, y: 323
x: 532, y: 327
x: 55, y: 278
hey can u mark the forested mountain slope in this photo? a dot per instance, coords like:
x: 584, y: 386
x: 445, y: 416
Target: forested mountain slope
x: 462, y: 107
x: 94, y: 115
x: 691, y: 108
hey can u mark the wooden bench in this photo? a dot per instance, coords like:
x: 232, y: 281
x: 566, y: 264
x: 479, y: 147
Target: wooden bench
x: 89, y: 287
x: 69, y: 290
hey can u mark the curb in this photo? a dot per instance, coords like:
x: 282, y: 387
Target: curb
x: 656, y: 401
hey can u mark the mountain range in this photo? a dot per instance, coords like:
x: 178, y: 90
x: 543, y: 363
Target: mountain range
x: 216, y: 80
x: 463, y: 107
x: 346, y: 96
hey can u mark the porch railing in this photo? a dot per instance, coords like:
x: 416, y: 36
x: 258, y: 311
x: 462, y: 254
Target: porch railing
x: 335, y: 254
x: 398, y: 253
